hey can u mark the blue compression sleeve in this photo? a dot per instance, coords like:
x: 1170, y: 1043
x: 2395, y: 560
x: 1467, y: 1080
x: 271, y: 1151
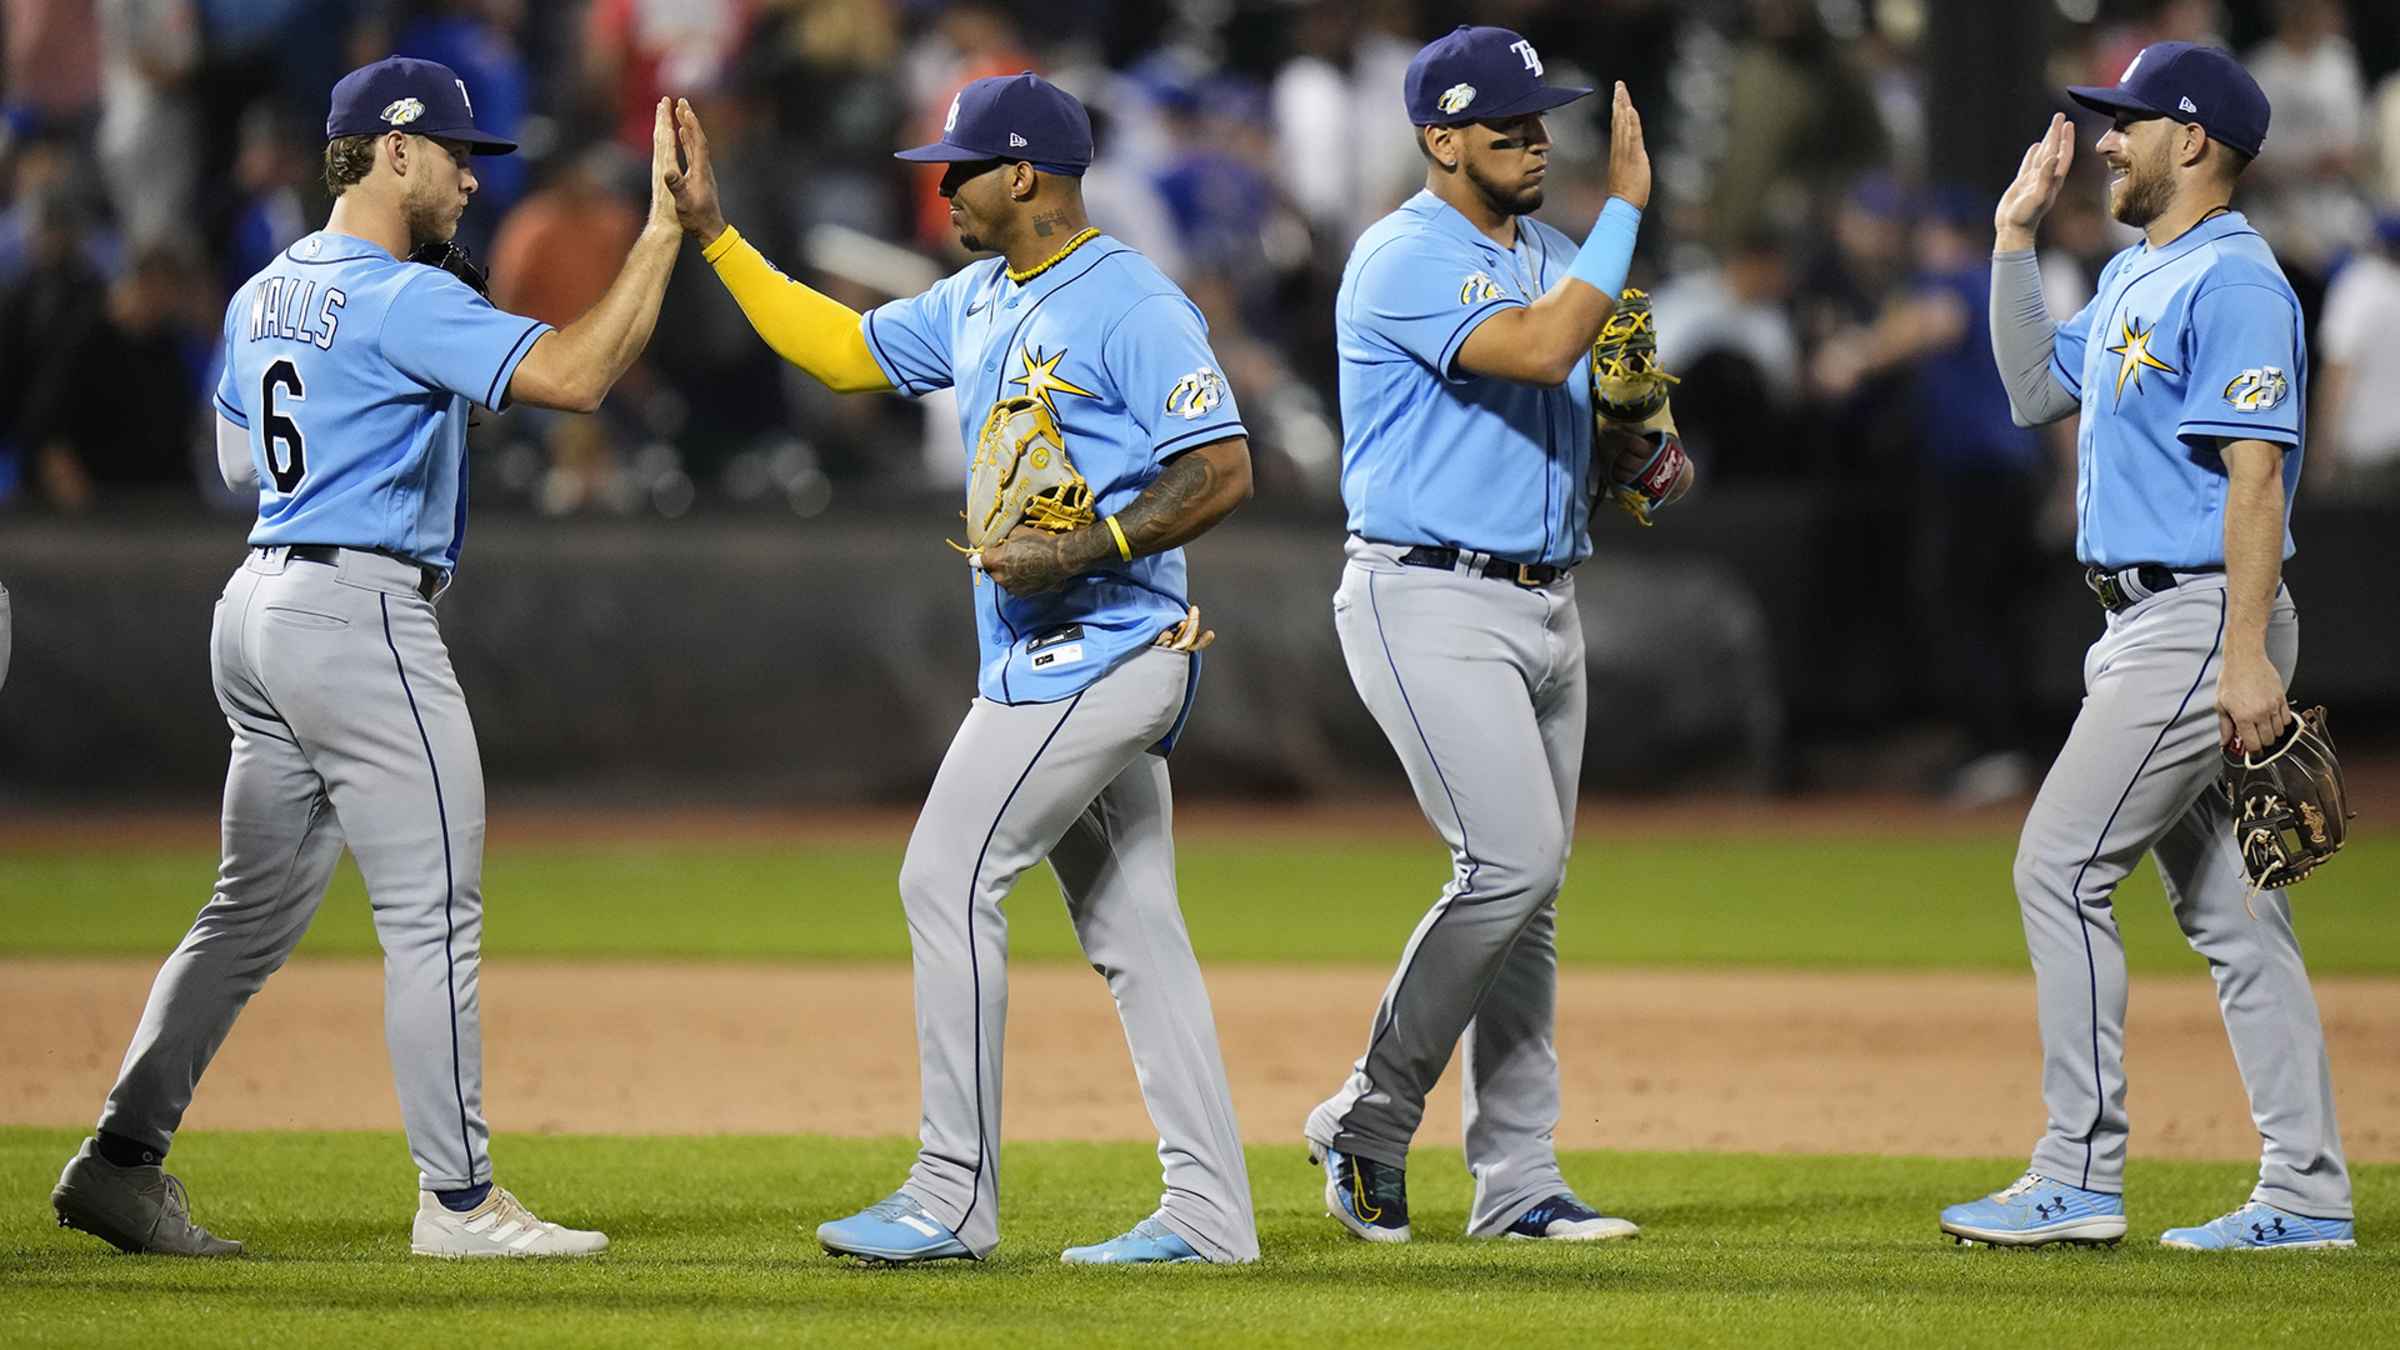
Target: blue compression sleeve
x: 1607, y: 252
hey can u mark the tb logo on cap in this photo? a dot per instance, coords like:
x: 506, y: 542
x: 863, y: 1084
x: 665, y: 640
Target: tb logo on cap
x: 1525, y: 49
x: 950, y: 123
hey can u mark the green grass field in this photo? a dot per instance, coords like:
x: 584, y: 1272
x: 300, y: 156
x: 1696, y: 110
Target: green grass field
x: 714, y: 1235
x: 713, y: 1245
x: 1822, y: 903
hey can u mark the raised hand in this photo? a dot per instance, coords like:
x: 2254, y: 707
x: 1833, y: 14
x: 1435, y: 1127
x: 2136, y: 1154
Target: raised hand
x: 2039, y: 177
x: 666, y: 170
x: 1628, y: 158
x: 697, y: 207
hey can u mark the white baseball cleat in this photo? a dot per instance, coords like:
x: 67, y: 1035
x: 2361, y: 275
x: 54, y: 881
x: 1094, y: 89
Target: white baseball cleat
x: 500, y: 1226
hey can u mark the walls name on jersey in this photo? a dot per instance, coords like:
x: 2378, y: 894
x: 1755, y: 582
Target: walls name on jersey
x: 291, y: 308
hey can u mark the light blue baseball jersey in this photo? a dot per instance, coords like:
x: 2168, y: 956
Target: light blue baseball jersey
x: 1121, y: 358
x: 1431, y: 454
x: 352, y: 371
x: 2184, y: 346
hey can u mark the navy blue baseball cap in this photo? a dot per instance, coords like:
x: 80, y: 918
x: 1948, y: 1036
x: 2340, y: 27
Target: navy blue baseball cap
x: 1013, y: 117
x: 2189, y: 83
x: 402, y: 93
x: 1479, y: 75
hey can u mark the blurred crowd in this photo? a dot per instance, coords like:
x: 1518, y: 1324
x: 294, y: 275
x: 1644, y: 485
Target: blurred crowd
x: 1818, y: 256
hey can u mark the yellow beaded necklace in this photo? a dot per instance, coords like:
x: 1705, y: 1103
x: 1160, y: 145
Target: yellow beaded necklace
x: 1090, y: 232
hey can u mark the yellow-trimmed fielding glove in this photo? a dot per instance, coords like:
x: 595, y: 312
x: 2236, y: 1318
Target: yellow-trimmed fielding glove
x: 1630, y: 402
x: 1022, y: 476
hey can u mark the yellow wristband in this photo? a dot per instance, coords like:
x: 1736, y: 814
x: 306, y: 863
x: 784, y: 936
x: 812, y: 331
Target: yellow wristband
x: 1124, y: 550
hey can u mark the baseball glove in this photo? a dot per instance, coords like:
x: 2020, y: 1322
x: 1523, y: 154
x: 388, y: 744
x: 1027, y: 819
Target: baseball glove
x: 1629, y: 394
x: 2289, y: 811
x: 1628, y: 387
x: 1023, y: 476
x: 451, y: 256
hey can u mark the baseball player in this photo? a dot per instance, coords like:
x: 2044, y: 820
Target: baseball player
x: 1465, y: 331
x: 2189, y: 370
x: 1089, y: 654
x: 349, y: 373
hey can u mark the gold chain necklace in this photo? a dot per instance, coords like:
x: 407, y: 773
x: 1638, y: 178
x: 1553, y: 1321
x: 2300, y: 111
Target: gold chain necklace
x: 1090, y: 232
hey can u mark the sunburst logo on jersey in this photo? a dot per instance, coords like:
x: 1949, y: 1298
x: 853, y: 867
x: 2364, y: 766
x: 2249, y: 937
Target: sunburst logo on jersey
x: 1041, y: 378
x: 2134, y: 347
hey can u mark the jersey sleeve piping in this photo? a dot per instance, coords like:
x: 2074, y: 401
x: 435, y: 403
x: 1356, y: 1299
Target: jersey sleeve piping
x: 231, y: 413
x: 1193, y: 440
x: 1466, y: 329
x: 496, y: 398
x: 900, y: 384
x: 2239, y: 431
x: 2066, y: 378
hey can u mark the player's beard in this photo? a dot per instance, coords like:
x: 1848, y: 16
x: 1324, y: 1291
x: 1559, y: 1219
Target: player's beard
x: 1523, y: 200
x: 2144, y: 194
x: 429, y: 221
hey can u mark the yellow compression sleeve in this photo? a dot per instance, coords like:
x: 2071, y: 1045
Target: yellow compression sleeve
x: 815, y: 332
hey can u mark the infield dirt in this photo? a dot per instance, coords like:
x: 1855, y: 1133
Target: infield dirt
x: 1938, y: 1063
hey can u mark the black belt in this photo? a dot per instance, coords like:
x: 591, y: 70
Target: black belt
x: 429, y: 579
x: 2109, y: 588
x: 1498, y: 569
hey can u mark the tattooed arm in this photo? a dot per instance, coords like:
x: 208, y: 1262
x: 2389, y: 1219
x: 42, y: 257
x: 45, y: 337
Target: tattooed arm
x: 1191, y: 494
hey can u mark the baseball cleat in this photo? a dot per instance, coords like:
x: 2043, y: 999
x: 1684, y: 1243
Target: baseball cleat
x: 894, y: 1231
x: 1368, y: 1197
x: 1563, y: 1218
x: 2035, y: 1211
x: 1149, y: 1242
x: 2259, y: 1227
x: 500, y: 1226
x: 134, y: 1209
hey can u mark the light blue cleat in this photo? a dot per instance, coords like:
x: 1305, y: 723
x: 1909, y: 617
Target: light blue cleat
x: 1149, y: 1242
x: 895, y: 1230
x: 2035, y: 1211
x: 2259, y: 1227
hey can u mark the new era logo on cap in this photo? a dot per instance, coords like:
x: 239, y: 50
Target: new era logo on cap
x: 1017, y: 117
x: 2190, y: 83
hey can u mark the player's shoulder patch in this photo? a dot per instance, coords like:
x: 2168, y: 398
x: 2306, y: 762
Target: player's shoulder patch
x: 1196, y: 394
x: 1478, y: 288
x: 2257, y: 390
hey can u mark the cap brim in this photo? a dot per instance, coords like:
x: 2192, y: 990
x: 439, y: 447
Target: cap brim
x: 485, y: 143
x: 1542, y: 99
x: 2108, y: 98
x: 943, y: 152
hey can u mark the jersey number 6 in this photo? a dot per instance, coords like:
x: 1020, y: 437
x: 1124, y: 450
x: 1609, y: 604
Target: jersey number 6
x: 288, y: 464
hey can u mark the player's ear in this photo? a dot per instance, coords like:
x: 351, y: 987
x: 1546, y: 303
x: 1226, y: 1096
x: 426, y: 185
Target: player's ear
x: 2192, y: 146
x: 395, y: 152
x: 1022, y: 180
x: 1442, y: 147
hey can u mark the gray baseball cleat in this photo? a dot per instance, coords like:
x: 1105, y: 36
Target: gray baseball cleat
x: 134, y: 1209
x: 499, y: 1227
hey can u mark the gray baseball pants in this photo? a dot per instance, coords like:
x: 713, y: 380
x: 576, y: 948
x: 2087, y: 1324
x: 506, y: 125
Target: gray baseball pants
x: 348, y: 727
x: 1076, y: 782
x: 1479, y: 685
x: 2136, y: 776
